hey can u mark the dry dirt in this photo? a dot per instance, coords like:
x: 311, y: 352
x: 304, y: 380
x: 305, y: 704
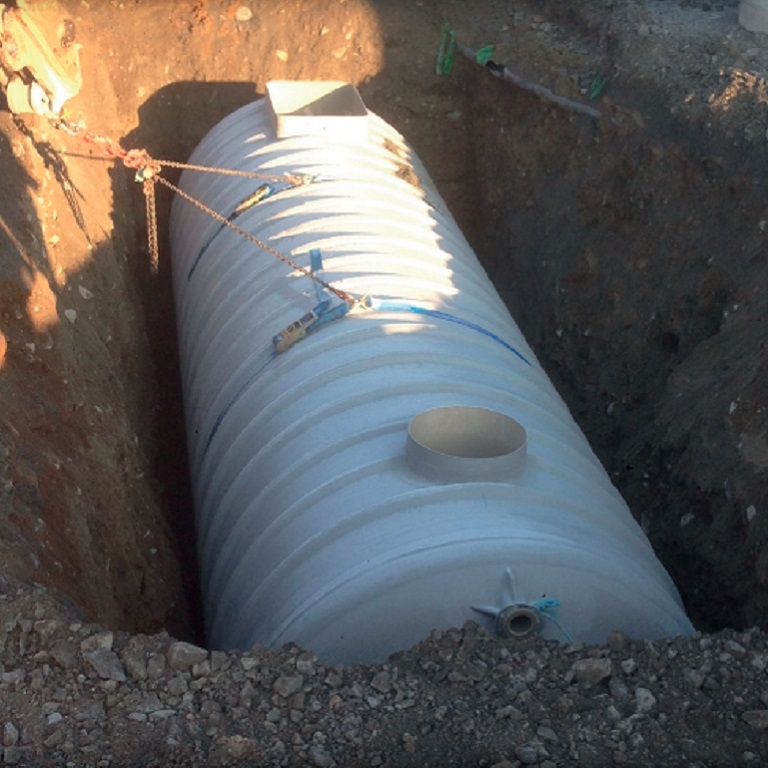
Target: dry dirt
x: 630, y: 248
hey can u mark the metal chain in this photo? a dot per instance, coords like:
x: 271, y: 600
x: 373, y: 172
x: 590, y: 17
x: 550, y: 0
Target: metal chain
x: 343, y: 295
x: 152, y: 241
x: 291, y: 178
x: 148, y: 172
x: 138, y: 158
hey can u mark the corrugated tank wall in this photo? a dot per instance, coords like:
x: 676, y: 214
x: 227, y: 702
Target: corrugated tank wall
x: 319, y: 519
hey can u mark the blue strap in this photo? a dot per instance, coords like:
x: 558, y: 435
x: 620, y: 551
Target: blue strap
x: 388, y: 305
x: 315, y: 260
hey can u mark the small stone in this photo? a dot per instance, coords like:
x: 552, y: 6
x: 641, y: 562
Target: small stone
x: 162, y: 714
x: 618, y: 689
x: 589, y: 672
x: 546, y: 733
x: 243, y: 13
x: 101, y: 641
x: 135, y: 664
x: 12, y: 676
x: 71, y: 315
x: 10, y: 735
x: 575, y: 647
x: 106, y: 664
x: 55, y: 738
x: 177, y: 686
x: 645, y: 700
x: 84, y: 292
x: 694, y: 677
x: 64, y: 653
x: 320, y: 757
x: 155, y: 666
x: 149, y: 703
x: 636, y: 740
x: 509, y: 712
x: 88, y: 709
x: 334, y: 680
x: 527, y: 754
x: 613, y: 713
x: 287, y: 685
x: 306, y: 664
x: 629, y: 666
x: 181, y: 656
x: 382, y: 682
x: 617, y: 641
x: 756, y: 717
x: 12, y: 755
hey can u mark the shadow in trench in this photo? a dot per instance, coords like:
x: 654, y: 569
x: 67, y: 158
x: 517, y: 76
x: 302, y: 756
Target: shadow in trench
x: 171, y: 123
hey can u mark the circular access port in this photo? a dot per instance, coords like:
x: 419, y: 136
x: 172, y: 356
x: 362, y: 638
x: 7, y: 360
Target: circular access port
x: 462, y: 443
x: 517, y: 621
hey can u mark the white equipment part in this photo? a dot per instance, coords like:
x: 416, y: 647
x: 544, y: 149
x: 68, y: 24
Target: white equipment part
x: 364, y: 474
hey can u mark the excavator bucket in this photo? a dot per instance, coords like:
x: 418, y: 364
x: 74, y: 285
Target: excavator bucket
x: 39, y: 57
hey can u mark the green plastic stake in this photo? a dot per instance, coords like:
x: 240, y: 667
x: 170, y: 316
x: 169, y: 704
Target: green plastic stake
x: 484, y: 54
x: 597, y: 86
x: 445, y: 54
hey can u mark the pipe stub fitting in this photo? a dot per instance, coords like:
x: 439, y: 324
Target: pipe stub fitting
x: 461, y: 443
x: 517, y: 621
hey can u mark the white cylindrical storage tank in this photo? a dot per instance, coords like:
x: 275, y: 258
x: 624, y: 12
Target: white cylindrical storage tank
x: 407, y: 464
x: 753, y: 15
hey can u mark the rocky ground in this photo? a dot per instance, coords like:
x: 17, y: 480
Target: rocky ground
x: 631, y: 249
x: 75, y: 694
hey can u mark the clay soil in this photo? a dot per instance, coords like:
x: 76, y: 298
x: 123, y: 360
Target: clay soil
x: 631, y: 249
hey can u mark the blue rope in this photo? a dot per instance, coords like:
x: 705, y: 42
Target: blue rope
x: 547, y: 607
x: 398, y: 306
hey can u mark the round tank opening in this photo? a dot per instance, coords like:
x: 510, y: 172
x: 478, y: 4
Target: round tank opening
x: 517, y: 621
x: 462, y: 443
x: 467, y: 432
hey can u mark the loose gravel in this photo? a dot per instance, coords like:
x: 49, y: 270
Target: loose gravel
x: 72, y: 694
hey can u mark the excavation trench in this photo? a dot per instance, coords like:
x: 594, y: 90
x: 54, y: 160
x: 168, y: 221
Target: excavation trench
x: 628, y: 249
x: 573, y: 275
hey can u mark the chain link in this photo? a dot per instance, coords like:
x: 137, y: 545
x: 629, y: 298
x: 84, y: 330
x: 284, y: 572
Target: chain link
x: 343, y: 295
x: 148, y: 172
x: 296, y: 180
x: 152, y: 242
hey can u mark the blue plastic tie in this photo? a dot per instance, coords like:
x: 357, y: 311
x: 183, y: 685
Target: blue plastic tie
x: 315, y: 260
x: 325, y: 314
x: 547, y: 607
